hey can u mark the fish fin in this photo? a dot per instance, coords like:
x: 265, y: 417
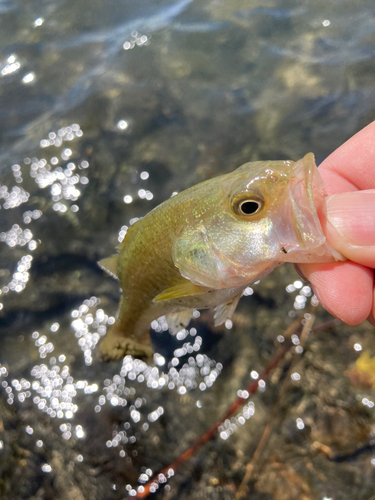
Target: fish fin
x: 185, y: 289
x: 225, y: 311
x: 115, y: 345
x: 110, y: 265
x: 179, y: 320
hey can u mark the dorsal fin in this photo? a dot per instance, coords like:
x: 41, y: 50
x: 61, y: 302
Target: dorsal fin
x: 110, y: 265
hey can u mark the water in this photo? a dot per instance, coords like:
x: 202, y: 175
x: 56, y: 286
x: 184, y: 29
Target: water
x: 106, y: 109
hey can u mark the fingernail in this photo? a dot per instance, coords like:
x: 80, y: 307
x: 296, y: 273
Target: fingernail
x: 353, y: 216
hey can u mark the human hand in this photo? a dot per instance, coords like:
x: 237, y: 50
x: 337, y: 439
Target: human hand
x: 346, y: 289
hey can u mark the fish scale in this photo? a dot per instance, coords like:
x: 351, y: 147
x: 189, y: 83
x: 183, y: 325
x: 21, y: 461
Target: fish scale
x: 199, y: 249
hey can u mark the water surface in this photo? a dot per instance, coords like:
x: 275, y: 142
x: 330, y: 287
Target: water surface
x: 106, y: 109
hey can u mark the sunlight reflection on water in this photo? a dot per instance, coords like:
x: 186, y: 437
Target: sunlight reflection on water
x: 105, y: 112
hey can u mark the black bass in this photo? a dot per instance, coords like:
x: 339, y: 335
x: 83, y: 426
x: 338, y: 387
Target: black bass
x: 202, y: 248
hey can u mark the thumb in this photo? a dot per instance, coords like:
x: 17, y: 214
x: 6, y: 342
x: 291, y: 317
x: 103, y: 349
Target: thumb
x: 350, y: 225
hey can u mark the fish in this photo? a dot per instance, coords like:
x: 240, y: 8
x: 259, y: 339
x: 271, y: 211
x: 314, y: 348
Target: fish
x: 201, y: 248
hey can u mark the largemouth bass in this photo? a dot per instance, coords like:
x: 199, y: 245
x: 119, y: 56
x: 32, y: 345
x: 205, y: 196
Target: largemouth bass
x: 202, y: 248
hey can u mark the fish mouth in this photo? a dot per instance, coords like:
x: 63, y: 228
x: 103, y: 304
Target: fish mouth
x: 303, y: 239
x: 307, y: 195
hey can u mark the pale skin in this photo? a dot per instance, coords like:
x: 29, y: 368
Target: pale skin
x: 347, y: 289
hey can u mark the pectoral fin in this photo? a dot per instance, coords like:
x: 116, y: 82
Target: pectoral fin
x: 109, y: 265
x: 179, y: 320
x: 225, y: 311
x: 186, y: 289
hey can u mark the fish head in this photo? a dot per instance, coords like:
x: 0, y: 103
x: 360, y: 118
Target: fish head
x: 251, y: 220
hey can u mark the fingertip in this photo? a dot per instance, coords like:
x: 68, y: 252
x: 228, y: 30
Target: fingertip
x: 345, y: 289
x: 352, y: 163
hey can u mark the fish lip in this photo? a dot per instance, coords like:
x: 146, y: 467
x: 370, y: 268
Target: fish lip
x: 302, y: 239
x: 307, y: 198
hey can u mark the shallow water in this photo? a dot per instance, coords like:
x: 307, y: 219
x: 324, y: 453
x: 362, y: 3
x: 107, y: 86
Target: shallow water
x: 106, y: 109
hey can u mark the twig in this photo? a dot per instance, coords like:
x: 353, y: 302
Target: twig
x: 153, y: 484
x: 242, y: 489
x: 331, y: 323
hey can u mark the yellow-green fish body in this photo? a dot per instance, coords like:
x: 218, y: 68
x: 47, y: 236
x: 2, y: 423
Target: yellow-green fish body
x: 204, y: 246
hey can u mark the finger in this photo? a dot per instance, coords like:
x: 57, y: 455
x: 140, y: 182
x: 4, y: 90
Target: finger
x: 345, y: 289
x: 349, y: 225
x: 371, y: 318
x: 335, y: 183
x: 353, y: 162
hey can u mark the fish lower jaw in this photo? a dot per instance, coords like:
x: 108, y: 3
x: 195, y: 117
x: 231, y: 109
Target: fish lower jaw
x: 323, y: 254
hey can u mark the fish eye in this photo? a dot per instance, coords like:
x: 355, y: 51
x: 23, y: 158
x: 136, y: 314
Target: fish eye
x: 248, y: 206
